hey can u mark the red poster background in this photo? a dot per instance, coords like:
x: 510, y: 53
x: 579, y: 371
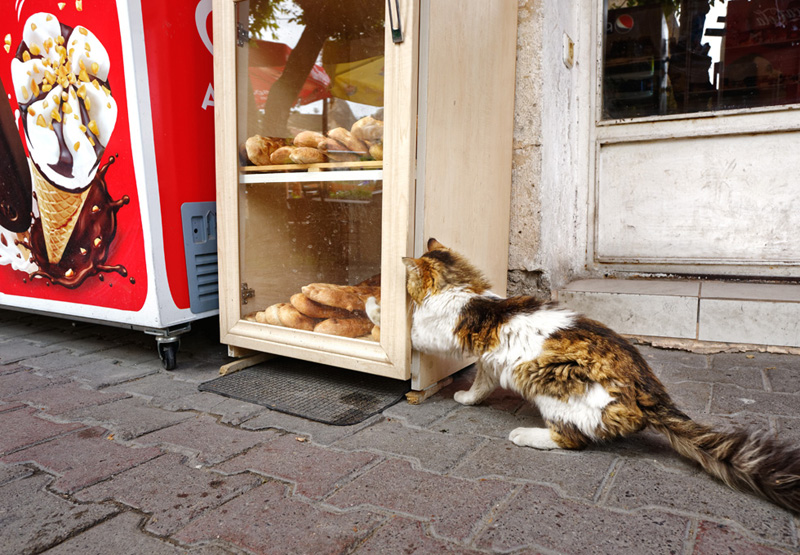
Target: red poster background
x: 180, y: 68
x: 127, y: 249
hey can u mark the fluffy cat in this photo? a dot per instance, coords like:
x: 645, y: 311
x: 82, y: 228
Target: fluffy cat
x: 589, y: 383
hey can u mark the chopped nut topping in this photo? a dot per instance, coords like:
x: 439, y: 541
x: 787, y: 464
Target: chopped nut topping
x: 55, y: 115
x: 40, y: 121
x: 67, y: 108
x: 33, y: 26
x: 95, y: 208
x: 97, y: 241
x: 95, y: 67
x: 34, y: 88
x: 69, y: 273
x: 79, y: 5
x: 93, y: 127
x: 7, y: 39
x: 48, y: 44
x: 82, y: 76
x: 87, y: 103
x: 61, y: 5
x: 25, y: 93
x: 26, y: 56
x: 35, y: 50
x: 76, y: 146
x: 83, y: 251
x: 31, y: 112
x: 83, y: 31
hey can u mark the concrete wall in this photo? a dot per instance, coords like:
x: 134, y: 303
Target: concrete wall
x: 547, y: 240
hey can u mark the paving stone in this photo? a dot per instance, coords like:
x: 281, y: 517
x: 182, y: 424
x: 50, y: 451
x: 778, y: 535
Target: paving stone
x: 120, y: 536
x: 789, y: 430
x: 673, y: 364
x: 59, y: 397
x: 574, y: 473
x: 639, y: 484
x: 730, y: 399
x: 720, y: 539
x: 235, y: 412
x: 9, y: 472
x: 485, y: 421
x: 264, y: 520
x: 169, y: 490
x: 18, y: 350
x: 127, y: 418
x: 753, y: 361
x: 436, y: 451
x: 424, y: 414
x: 14, y: 383
x: 22, y: 428
x: 58, y: 364
x: 410, y: 537
x: 106, y: 372
x: 785, y: 379
x: 315, y: 471
x: 454, y: 507
x: 205, y: 440
x: 691, y: 396
x: 158, y: 389
x: 322, y: 434
x: 537, y: 518
x: 32, y: 519
x: 82, y: 458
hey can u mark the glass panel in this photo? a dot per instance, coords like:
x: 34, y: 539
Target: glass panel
x: 679, y: 56
x: 310, y: 133
x: 310, y: 81
x: 301, y: 242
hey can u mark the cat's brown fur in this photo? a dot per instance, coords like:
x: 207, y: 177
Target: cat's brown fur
x: 589, y: 383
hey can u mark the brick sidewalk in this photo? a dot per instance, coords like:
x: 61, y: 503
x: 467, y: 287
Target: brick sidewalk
x: 102, y: 451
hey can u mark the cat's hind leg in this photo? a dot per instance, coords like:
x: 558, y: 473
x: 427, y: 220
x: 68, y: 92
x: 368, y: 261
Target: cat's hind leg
x: 482, y: 387
x: 557, y: 435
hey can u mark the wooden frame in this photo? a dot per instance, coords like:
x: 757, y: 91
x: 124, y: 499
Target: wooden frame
x: 432, y: 184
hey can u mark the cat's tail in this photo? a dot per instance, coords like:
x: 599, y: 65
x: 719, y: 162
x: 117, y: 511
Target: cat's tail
x: 745, y: 460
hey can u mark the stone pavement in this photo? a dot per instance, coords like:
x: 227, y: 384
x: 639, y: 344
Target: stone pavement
x: 102, y: 451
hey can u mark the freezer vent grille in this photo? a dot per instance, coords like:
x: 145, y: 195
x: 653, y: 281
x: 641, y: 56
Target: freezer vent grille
x: 199, y: 221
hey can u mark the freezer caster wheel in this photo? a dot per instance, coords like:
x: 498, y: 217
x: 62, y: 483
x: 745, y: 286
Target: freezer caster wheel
x: 168, y: 352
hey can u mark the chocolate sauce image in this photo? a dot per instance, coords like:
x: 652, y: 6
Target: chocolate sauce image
x: 15, y: 176
x: 87, y: 251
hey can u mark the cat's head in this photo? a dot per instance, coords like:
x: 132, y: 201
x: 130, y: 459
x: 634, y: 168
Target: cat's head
x: 440, y: 269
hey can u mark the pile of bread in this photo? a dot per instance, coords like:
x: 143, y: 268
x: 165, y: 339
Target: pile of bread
x: 327, y: 308
x: 364, y: 141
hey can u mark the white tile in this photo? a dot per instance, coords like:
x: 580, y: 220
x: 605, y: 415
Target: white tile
x: 660, y: 287
x: 758, y: 322
x: 636, y: 314
x: 750, y: 291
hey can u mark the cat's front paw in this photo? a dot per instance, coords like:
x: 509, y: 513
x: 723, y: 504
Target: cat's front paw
x: 538, y: 438
x: 465, y: 398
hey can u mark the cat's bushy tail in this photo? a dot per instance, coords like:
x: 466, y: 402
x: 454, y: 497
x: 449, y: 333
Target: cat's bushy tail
x: 745, y: 460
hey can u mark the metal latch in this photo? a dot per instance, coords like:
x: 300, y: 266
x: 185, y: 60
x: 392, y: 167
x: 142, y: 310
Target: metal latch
x: 247, y: 293
x: 394, y: 14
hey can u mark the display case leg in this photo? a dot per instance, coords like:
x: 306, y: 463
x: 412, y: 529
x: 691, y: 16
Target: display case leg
x: 243, y: 363
x: 417, y: 397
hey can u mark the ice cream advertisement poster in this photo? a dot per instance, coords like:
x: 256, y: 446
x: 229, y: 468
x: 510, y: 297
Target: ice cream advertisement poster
x: 70, y: 223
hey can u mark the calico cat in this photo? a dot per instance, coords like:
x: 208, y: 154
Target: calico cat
x: 589, y: 383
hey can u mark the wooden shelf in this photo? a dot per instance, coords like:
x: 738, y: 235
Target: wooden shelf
x: 365, y: 165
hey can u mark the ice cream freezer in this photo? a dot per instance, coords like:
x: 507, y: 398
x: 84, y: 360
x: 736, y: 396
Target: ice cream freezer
x: 348, y: 133
x: 107, y: 191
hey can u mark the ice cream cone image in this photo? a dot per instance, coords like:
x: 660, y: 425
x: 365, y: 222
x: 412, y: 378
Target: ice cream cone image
x: 61, y: 85
x: 59, y: 211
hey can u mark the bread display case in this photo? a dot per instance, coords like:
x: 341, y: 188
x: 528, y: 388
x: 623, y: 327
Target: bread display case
x: 348, y: 132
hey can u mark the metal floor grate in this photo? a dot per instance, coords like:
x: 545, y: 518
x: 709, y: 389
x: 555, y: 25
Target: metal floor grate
x: 310, y: 390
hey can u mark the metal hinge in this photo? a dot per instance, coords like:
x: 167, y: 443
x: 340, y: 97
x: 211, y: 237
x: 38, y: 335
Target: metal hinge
x: 247, y: 293
x: 394, y: 21
x: 242, y: 35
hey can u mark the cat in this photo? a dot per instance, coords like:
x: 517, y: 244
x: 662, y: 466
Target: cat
x: 589, y: 383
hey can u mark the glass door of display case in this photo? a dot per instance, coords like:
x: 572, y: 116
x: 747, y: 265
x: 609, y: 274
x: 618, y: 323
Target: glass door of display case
x: 315, y: 195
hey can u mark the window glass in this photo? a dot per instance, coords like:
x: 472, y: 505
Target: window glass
x: 679, y: 56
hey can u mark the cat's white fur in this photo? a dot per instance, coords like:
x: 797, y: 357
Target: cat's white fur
x: 521, y: 339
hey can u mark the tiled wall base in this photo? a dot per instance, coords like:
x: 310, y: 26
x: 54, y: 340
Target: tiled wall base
x: 752, y: 313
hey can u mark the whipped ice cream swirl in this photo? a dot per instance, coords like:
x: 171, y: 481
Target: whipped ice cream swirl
x: 60, y: 78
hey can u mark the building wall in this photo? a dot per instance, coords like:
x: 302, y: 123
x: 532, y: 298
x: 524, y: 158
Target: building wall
x: 547, y: 240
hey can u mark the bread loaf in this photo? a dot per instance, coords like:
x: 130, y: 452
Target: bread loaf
x: 291, y: 318
x: 306, y: 155
x: 368, y: 129
x: 348, y: 140
x: 376, y: 150
x: 259, y: 149
x: 309, y: 139
x: 314, y: 309
x: 342, y: 296
x: 345, y: 327
x: 270, y: 315
x: 282, y: 155
x: 336, y: 151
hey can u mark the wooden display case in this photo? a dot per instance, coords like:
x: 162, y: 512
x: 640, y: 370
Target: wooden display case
x: 447, y: 110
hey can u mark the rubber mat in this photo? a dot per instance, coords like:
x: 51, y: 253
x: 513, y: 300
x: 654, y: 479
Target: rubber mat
x: 314, y: 391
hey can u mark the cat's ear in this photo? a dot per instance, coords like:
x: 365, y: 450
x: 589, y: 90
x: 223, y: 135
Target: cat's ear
x: 411, y: 264
x: 433, y: 244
